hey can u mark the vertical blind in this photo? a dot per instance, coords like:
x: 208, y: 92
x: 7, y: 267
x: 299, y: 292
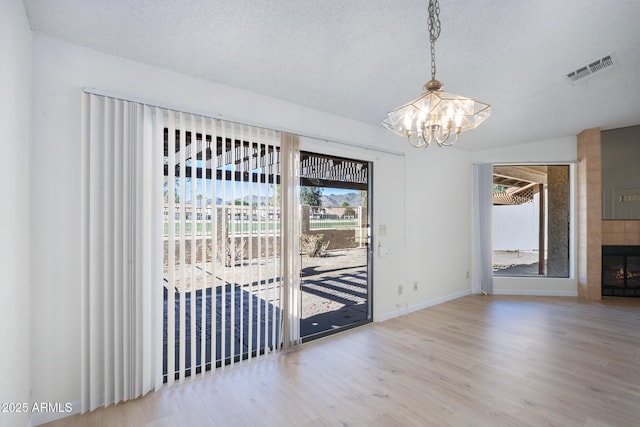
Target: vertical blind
x: 182, y: 246
x: 223, y: 224
x: 482, y: 228
x: 121, y: 250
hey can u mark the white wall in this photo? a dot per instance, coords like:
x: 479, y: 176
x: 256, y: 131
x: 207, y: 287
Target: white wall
x: 438, y: 226
x: 61, y: 71
x: 15, y: 105
x: 549, y: 150
x: 519, y: 226
x: 552, y: 150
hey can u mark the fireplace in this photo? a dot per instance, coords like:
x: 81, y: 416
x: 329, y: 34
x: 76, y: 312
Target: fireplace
x: 621, y: 271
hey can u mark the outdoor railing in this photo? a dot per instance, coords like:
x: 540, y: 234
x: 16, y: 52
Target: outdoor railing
x: 333, y: 223
x: 336, y: 218
x: 256, y: 220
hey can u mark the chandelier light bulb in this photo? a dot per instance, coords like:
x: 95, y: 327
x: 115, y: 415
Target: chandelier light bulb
x: 458, y: 119
x: 407, y: 121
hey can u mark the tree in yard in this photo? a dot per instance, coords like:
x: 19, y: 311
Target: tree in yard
x: 349, y: 212
x: 311, y: 196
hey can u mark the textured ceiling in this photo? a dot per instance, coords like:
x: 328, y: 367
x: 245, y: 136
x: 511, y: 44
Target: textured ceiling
x: 361, y: 58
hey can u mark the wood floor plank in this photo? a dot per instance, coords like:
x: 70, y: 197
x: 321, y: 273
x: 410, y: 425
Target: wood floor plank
x: 474, y: 361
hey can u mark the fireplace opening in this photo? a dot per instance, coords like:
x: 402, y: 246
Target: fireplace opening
x: 621, y: 271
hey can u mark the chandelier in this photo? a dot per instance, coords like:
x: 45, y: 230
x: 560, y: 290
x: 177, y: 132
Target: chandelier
x: 436, y: 115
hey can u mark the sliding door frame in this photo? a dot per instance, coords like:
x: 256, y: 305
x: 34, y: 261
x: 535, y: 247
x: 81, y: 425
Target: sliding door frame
x: 355, y: 153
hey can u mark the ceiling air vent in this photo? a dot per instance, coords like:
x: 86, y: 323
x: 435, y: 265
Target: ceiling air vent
x: 592, y: 68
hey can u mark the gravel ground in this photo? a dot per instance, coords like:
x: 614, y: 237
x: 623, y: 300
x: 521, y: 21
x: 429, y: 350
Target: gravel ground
x: 333, y: 282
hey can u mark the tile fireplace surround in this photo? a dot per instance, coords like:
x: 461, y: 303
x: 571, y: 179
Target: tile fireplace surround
x: 593, y: 232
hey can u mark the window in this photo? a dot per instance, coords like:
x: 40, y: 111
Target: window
x: 531, y: 220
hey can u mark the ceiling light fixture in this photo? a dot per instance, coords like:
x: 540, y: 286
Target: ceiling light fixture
x: 436, y: 115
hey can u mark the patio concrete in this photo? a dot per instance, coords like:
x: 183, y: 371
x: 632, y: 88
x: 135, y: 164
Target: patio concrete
x: 334, y: 294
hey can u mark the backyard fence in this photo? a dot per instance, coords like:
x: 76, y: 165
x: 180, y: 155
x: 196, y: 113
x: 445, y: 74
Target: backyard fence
x: 344, y: 227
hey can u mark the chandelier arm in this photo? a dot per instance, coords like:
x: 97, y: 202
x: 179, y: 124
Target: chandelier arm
x: 418, y: 144
x: 426, y: 140
x: 449, y: 144
x: 444, y: 136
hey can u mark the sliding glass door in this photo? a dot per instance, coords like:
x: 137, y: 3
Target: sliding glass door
x: 335, y: 250
x: 245, y: 271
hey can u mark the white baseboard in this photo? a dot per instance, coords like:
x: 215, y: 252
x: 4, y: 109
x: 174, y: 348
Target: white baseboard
x: 430, y: 303
x: 536, y: 293
x: 38, y: 418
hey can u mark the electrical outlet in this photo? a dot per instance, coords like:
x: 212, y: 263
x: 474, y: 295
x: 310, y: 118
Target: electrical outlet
x: 467, y: 274
x: 399, y: 289
x: 415, y: 286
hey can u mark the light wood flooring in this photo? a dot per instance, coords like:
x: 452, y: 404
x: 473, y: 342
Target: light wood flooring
x: 474, y: 361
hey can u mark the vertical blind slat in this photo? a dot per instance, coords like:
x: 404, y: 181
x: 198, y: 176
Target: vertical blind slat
x: 137, y: 217
x: 233, y: 246
x: 157, y: 314
x: 116, y: 254
x: 243, y: 224
x: 84, y: 252
x: 252, y: 213
x: 203, y: 244
x: 104, y: 250
x: 258, y: 282
x: 171, y: 249
x: 193, y: 254
x: 183, y: 227
x: 214, y: 244
x: 223, y: 248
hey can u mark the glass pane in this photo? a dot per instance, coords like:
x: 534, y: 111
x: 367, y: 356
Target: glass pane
x: 334, y: 244
x: 531, y: 220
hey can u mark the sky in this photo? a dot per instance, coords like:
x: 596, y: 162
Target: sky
x: 337, y: 191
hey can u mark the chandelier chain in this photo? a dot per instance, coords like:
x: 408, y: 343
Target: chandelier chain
x: 434, y: 32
